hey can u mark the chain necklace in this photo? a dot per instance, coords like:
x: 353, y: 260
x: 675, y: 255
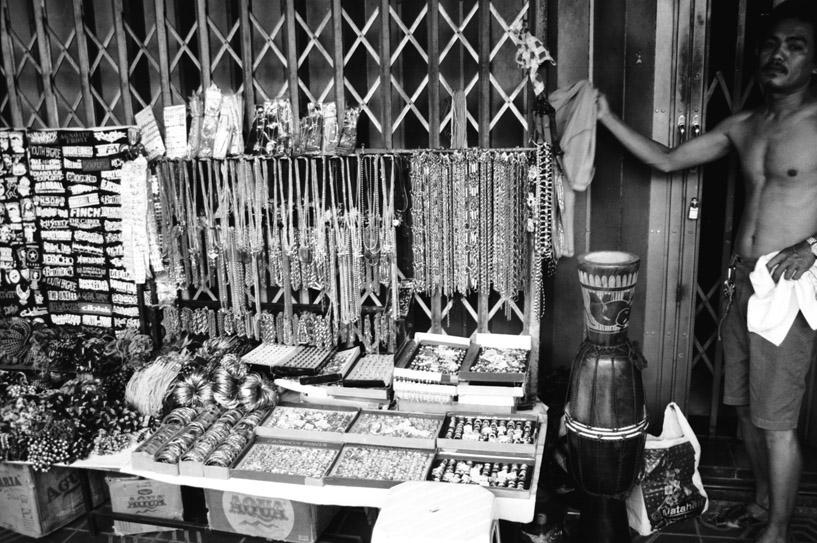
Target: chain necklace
x: 292, y: 252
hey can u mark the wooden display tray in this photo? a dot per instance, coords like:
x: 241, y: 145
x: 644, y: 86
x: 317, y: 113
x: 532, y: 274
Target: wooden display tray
x: 499, y: 492
x: 496, y: 341
x: 324, y: 376
x: 371, y: 483
x: 491, y: 446
x: 389, y: 441
x: 237, y: 473
x: 306, y: 435
x: 191, y: 469
x: 284, y: 369
x: 401, y: 365
x: 360, y: 383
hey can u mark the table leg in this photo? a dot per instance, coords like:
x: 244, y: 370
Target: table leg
x: 85, y: 486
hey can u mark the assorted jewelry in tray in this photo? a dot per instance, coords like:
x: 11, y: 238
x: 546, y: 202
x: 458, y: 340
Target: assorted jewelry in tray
x: 492, y: 360
x: 287, y: 417
x: 512, y: 475
x: 493, y: 429
x: 395, y: 425
x: 438, y: 359
x: 381, y: 463
x: 283, y: 459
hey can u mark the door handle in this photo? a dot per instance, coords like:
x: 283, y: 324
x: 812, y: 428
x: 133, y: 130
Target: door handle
x: 682, y: 127
x: 696, y: 127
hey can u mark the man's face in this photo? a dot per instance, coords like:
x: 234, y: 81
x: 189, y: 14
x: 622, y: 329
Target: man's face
x: 786, y: 58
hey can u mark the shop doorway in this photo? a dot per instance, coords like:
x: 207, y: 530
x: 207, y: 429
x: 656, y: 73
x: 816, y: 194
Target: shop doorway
x: 734, y: 27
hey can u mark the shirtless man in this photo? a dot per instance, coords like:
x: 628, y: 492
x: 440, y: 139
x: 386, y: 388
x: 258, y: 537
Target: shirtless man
x: 777, y: 148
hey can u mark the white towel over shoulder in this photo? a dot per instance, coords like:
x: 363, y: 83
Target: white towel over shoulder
x: 774, y: 306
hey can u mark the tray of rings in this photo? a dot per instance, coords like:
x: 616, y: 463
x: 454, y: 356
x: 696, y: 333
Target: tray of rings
x: 217, y: 463
x: 507, y: 476
x: 143, y: 457
x: 307, y: 360
x: 312, y: 422
x: 497, y: 359
x: 479, y: 432
x: 372, y: 370
x: 395, y: 429
x: 335, y: 368
x: 379, y: 467
x: 270, y: 354
x: 432, y: 358
x: 192, y: 461
x: 285, y: 461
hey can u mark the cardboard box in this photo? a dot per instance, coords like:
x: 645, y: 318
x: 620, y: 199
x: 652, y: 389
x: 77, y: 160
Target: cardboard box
x: 270, y: 518
x: 138, y: 496
x: 35, y: 504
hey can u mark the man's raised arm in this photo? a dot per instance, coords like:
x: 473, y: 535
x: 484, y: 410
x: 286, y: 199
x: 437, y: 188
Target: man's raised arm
x: 696, y: 151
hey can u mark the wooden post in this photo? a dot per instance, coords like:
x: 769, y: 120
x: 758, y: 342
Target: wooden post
x: 47, y: 70
x: 204, y: 43
x: 84, y: 64
x: 434, y: 73
x: 8, y: 66
x: 292, y: 68
x: 161, y: 39
x: 122, y: 60
x: 484, y: 129
x: 337, y: 60
x: 246, y: 61
x: 385, y: 72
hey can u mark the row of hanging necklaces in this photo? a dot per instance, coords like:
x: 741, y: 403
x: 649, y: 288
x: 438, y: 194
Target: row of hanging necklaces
x: 469, y: 222
x: 231, y: 229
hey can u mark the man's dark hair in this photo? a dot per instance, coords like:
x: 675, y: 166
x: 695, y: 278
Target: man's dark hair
x: 800, y: 10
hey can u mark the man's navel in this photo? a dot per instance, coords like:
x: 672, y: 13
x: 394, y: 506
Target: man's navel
x: 792, y: 173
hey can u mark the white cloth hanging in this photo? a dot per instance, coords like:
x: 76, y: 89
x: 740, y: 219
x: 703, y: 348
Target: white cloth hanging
x: 774, y: 306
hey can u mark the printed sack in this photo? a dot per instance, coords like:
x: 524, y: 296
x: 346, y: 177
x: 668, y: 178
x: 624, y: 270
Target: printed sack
x: 670, y: 487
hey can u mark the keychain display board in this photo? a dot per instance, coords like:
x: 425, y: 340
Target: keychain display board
x: 20, y: 272
x: 75, y: 181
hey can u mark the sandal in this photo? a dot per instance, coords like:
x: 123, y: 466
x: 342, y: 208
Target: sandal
x: 736, y: 517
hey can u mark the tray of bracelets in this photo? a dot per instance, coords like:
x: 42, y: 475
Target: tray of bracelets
x: 224, y: 453
x: 379, y: 467
x: 480, y: 432
x: 507, y: 476
x: 285, y: 461
x: 497, y: 359
x: 192, y: 460
x: 432, y: 358
x: 144, y: 456
x: 307, y: 361
x: 395, y: 429
x: 313, y: 422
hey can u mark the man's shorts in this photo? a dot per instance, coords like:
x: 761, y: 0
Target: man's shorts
x: 770, y: 379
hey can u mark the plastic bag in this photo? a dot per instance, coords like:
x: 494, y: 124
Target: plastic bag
x: 670, y: 487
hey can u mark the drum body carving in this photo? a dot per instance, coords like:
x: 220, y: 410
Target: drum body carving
x: 605, y: 413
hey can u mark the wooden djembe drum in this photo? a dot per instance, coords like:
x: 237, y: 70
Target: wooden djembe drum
x: 605, y: 415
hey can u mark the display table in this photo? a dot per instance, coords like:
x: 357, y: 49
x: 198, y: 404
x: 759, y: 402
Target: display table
x: 520, y: 510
